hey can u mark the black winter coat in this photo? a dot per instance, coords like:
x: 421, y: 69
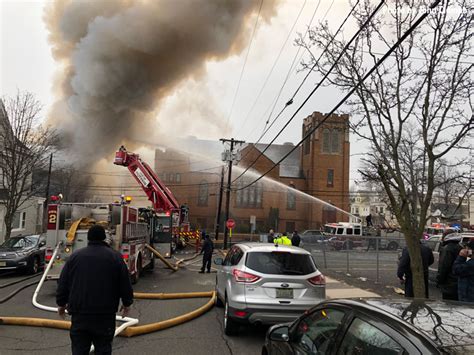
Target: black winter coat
x: 207, y: 247
x: 93, y: 281
x: 404, y: 269
x: 465, y: 270
x: 445, y: 279
x: 296, y: 240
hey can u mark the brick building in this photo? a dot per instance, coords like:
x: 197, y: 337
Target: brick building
x: 284, y: 200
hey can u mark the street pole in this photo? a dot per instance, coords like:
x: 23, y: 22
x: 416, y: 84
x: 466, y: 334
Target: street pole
x: 229, y: 182
x: 219, y: 205
x: 45, y: 206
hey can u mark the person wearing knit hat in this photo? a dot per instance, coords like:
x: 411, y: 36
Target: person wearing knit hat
x: 92, y: 283
x: 96, y: 232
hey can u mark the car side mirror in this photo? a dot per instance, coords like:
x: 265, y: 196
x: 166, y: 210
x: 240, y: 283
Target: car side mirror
x: 42, y: 243
x: 218, y: 261
x: 280, y: 333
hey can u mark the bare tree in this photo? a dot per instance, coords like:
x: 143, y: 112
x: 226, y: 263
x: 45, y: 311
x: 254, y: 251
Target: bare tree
x: 25, y: 145
x: 70, y: 183
x: 417, y: 107
x: 453, y: 190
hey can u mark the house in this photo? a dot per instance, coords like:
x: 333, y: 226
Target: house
x: 28, y: 219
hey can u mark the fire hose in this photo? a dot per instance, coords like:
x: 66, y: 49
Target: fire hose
x: 128, y: 328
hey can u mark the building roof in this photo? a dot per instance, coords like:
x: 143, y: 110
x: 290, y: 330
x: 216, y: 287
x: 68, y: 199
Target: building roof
x: 291, y: 166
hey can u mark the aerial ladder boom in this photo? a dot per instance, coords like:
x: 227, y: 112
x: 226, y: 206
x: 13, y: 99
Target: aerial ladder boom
x: 160, y: 196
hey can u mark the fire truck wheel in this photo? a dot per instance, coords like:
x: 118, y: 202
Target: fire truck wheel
x: 151, y: 265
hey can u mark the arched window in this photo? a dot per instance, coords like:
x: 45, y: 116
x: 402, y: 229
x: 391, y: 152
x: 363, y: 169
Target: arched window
x: 326, y: 141
x: 291, y: 198
x: 335, y: 141
x: 250, y: 197
x: 203, y: 193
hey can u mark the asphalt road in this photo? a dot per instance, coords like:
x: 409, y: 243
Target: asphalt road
x: 203, y: 335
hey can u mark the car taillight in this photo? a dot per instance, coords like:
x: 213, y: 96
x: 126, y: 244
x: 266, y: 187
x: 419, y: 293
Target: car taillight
x: 241, y: 276
x: 318, y: 280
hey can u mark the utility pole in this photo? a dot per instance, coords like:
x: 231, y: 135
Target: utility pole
x: 46, y: 195
x: 229, y: 156
x: 219, y: 205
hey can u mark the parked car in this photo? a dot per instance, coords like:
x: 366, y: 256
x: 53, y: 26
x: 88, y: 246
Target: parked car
x: 23, y: 253
x: 312, y: 236
x: 376, y: 327
x: 266, y: 284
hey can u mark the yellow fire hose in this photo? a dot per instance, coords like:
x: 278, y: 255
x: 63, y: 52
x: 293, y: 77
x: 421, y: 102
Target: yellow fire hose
x: 159, y: 256
x: 130, y: 331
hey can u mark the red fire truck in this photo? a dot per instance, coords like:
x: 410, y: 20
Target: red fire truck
x: 126, y: 228
x: 169, y: 220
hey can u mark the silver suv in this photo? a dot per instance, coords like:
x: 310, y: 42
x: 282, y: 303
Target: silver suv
x: 264, y: 283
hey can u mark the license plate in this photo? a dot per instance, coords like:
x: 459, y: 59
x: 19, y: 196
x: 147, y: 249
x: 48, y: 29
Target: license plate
x: 3, y: 263
x: 284, y: 293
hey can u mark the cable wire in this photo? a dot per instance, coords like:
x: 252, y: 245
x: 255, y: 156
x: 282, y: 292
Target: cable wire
x: 245, y: 62
x: 274, y: 65
x: 321, y: 81
x: 379, y: 62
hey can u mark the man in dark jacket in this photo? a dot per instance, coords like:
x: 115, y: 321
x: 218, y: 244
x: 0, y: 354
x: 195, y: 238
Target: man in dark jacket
x: 92, y: 283
x: 464, y: 269
x: 207, y: 249
x: 404, y: 269
x: 295, y: 239
x: 271, y: 236
x: 446, y: 280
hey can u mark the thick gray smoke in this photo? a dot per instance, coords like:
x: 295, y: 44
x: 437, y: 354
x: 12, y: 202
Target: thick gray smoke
x: 120, y: 58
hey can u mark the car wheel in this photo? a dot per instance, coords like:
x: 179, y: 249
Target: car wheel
x: 392, y: 246
x: 230, y: 326
x: 34, y: 266
x: 218, y: 300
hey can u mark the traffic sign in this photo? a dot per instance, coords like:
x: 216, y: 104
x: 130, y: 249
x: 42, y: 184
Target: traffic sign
x: 230, y: 223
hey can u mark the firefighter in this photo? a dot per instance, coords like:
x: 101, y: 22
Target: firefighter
x: 92, y: 283
x: 206, y: 250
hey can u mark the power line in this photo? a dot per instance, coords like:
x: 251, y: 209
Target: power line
x: 290, y: 70
x: 379, y: 62
x: 321, y: 81
x: 274, y: 65
x: 245, y: 62
x: 289, y: 102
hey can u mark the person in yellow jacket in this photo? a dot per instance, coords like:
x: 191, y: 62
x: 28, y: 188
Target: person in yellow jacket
x: 277, y: 240
x: 283, y: 240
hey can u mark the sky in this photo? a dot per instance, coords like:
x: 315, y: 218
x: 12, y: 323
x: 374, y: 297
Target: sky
x: 26, y: 63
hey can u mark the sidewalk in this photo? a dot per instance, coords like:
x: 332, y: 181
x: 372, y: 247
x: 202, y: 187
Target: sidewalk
x: 339, y: 289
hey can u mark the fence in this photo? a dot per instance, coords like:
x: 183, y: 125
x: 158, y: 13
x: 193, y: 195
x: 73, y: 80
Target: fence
x: 365, y: 257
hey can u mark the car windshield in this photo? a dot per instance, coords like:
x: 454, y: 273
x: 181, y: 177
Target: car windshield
x: 280, y: 263
x: 21, y: 242
x: 329, y: 230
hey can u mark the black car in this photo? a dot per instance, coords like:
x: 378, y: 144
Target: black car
x: 376, y: 326
x: 23, y: 253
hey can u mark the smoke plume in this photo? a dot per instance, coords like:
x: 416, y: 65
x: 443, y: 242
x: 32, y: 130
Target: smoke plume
x: 119, y: 59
